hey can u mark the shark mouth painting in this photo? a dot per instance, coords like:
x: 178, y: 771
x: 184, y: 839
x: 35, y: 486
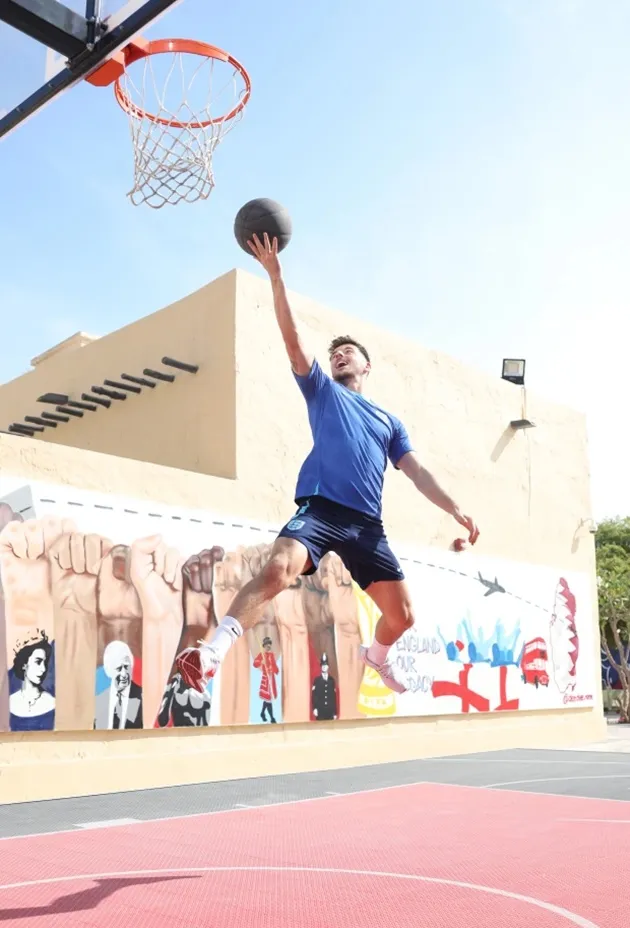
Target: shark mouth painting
x: 564, y: 639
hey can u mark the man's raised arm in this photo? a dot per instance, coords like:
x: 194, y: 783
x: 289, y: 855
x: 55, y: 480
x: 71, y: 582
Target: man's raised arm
x: 267, y: 254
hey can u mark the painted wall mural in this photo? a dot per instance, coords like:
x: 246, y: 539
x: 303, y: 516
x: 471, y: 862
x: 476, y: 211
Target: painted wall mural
x: 98, y: 595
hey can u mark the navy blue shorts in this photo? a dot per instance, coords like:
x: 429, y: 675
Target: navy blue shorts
x: 359, y: 540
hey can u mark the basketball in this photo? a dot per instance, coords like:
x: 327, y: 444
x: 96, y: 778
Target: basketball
x: 260, y: 216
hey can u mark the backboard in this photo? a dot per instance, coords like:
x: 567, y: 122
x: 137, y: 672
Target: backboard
x: 46, y: 47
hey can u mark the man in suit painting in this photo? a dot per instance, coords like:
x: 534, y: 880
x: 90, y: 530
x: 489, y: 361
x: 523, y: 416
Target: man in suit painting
x: 119, y: 706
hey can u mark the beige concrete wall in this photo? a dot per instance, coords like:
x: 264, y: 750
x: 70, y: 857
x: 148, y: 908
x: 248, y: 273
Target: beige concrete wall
x: 188, y: 424
x: 43, y: 766
x: 529, y: 491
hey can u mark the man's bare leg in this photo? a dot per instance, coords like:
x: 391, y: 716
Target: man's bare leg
x: 394, y: 602
x: 288, y: 559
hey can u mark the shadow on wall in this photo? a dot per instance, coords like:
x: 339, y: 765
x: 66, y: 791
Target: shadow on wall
x: 505, y: 439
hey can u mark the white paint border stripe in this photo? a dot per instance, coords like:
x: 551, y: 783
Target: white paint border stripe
x: 535, y: 792
x: 572, y: 917
x: 601, y: 776
x: 109, y: 823
x: 232, y: 809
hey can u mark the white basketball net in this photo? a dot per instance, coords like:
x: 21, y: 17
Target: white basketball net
x: 173, y: 163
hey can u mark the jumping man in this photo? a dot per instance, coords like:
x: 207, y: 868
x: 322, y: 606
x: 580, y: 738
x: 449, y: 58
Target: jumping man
x: 339, y: 498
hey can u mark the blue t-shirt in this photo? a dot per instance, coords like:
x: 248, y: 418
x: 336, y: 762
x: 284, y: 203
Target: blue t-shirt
x: 352, y: 440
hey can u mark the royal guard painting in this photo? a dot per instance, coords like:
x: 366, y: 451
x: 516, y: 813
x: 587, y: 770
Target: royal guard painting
x: 265, y: 661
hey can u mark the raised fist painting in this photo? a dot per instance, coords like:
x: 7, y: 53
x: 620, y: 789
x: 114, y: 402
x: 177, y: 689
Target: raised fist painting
x: 75, y: 563
x: 91, y: 624
x: 6, y: 515
x: 180, y: 705
x: 29, y: 677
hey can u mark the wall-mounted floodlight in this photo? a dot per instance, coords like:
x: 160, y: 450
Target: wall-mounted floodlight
x: 514, y: 370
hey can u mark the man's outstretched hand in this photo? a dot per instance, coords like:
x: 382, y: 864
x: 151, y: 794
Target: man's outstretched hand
x: 473, y: 532
x: 267, y: 253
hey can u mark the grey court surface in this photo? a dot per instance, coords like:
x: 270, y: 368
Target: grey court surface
x: 595, y: 775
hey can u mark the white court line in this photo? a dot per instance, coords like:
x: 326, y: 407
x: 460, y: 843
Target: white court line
x: 531, y: 792
x: 459, y: 884
x: 601, y: 776
x: 542, y: 760
x: 292, y: 802
x: 240, y: 805
x: 232, y: 809
x: 108, y: 823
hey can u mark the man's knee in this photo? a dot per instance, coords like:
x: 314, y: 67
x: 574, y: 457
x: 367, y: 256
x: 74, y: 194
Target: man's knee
x: 403, y: 608
x: 407, y: 615
x: 279, y: 573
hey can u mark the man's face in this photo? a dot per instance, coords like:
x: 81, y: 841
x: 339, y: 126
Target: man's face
x: 122, y: 676
x: 347, y: 363
x: 267, y: 646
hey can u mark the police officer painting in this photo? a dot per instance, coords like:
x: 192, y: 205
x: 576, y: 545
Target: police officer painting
x: 324, y: 694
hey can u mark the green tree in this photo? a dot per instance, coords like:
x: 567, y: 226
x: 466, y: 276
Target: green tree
x: 613, y: 581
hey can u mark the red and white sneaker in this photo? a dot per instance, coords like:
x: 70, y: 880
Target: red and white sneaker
x: 390, y: 674
x: 197, y: 666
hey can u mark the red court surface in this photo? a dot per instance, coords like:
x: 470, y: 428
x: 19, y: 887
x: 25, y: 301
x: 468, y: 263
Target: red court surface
x: 422, y: 856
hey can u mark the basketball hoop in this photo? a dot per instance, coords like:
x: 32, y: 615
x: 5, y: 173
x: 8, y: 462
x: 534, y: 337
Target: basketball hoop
x: 168, y: 90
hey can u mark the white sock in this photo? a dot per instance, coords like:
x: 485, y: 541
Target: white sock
x: 229, y: 631
x: 378, y: 652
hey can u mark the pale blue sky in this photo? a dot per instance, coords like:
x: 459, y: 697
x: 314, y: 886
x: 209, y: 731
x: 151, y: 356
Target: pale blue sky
x: 456, y: 170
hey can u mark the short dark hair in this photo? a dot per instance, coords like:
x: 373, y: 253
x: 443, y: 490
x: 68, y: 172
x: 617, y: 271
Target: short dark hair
x: 347, y: 340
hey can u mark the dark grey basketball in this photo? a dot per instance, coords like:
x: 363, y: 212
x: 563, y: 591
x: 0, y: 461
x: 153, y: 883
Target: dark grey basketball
x: 260, y: 216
